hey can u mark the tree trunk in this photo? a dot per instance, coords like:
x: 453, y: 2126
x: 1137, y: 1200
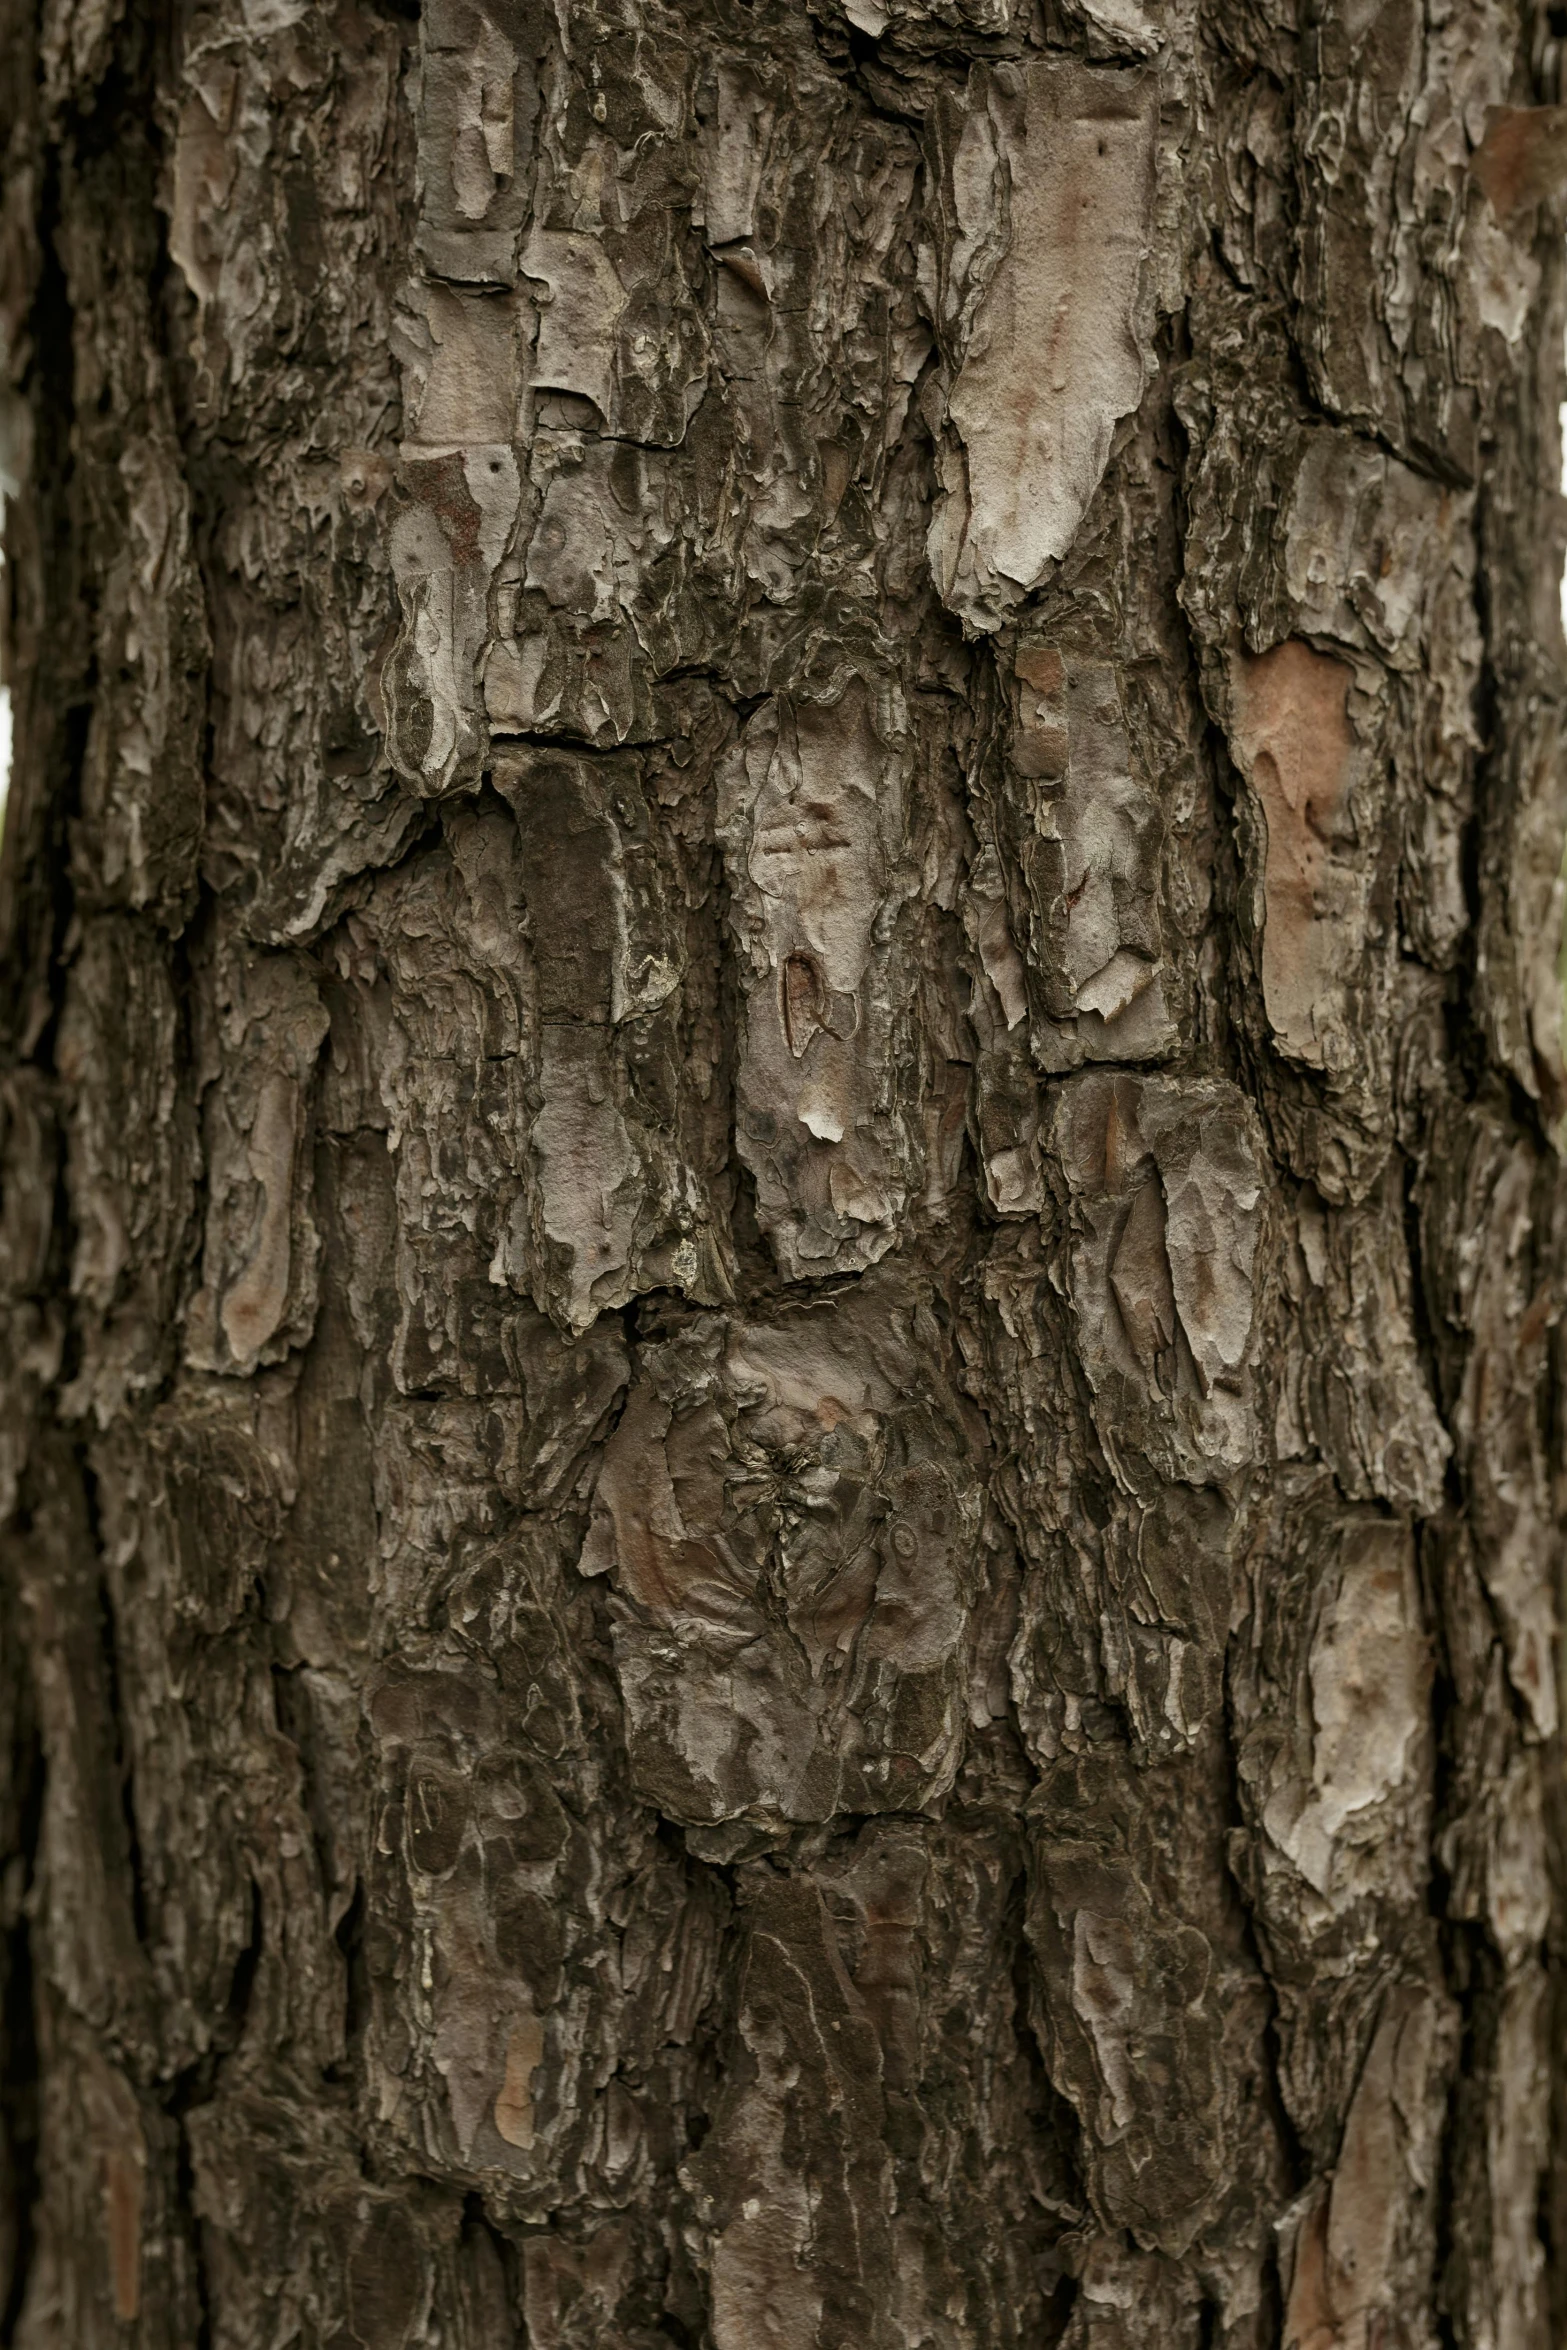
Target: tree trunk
x: 782, y: 1422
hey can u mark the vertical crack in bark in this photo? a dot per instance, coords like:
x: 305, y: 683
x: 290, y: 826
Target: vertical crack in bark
x: 121, y: 1763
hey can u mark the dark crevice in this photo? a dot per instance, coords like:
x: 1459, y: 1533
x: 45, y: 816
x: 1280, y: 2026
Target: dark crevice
x: 350, y: 1940
x: 291, y: 1708
x: 52, y: 616
x: 196, y: 2086
x: 898, y: 82
x: 1056, y: 2126
x: 1423, y: 1325
x: 52, y: 709
x: 482, y: 2238
x: 42, y: 608
x: 1471, y: 1972
x: 242, y: 1982
x: 19, y: 2055
x: 1291, y: 2145
x: 122, y: 1763
x: 185, y: 2193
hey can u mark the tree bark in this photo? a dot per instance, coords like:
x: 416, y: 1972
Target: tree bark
x: 782, y: 1377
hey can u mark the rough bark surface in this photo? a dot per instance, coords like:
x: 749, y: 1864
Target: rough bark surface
x: 781, y: 1401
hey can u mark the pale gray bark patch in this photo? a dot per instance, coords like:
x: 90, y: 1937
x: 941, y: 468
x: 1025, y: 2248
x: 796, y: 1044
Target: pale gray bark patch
x: 1052, y: 198
x: 823, y: 861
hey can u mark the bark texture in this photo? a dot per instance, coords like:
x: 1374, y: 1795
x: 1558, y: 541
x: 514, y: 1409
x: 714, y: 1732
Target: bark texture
x: 782, y: 1371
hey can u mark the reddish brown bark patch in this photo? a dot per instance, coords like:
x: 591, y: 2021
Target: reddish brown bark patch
x: 1292, y: 739
x: 1522, y: 160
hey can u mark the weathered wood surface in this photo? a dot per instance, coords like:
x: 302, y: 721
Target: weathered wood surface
x: 782, y: 1375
